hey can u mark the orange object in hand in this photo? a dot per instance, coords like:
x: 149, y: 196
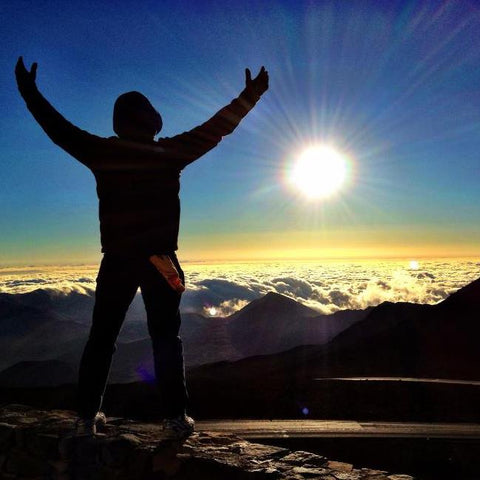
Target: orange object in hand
x: 165, y: 266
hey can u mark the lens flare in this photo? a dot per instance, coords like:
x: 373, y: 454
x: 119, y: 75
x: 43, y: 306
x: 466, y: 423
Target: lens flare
x: 212, y: 311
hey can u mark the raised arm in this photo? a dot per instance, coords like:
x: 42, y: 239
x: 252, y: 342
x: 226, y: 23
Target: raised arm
x: 66, y: 135
x: 203, y: 138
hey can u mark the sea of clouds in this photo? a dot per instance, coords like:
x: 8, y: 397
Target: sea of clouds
x: 326, y: 286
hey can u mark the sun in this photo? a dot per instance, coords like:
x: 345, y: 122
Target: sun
x: 212, y: 311
x: 414, y: 265
x: 319, y: 171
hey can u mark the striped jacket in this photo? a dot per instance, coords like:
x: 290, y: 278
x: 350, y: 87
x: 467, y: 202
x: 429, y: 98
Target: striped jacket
x: 137, y: 183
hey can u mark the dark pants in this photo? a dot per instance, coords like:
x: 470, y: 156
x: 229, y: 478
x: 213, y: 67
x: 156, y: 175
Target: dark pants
x: 117, y: 282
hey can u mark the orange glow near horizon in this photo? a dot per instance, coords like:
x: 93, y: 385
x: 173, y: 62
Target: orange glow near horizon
x: 412, y: 243
x: 304, y: 246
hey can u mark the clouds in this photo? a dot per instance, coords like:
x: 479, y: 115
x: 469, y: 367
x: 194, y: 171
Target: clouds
x: 220, y: 290
x: 60, y: 280
x: 225, y: 308
x: 217, y: 296
x: 293, y: 286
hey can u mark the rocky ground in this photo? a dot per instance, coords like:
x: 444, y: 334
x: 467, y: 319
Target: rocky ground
x: 39, y: 444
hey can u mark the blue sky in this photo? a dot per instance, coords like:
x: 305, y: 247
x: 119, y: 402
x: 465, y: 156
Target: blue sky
x: 395, y: 85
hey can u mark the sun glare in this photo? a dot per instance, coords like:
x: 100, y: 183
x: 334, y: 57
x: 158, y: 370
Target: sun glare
x: 414, y: 265
x: 212, y: 311
x: 319, y: 171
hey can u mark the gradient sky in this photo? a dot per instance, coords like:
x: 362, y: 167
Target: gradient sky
x: 395, y: 85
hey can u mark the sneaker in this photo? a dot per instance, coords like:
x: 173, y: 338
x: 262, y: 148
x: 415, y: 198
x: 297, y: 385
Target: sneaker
x: 88, y: 426
x: 179, y: 427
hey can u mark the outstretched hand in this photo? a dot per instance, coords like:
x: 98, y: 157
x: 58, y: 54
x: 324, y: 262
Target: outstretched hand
x: 22, y: 74
x: 258, y: 85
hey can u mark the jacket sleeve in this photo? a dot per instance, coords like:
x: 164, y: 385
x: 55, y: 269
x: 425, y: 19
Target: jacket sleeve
x: 63, y: 133
x: 191, y: 145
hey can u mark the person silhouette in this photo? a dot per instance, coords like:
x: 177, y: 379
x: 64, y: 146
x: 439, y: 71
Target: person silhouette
x: 138, y: 182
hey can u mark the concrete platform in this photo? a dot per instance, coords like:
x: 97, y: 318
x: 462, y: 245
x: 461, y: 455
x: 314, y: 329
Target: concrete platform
x: 327, y: 428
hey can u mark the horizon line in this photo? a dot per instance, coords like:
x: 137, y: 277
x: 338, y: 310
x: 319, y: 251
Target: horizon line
x: 227, y: 260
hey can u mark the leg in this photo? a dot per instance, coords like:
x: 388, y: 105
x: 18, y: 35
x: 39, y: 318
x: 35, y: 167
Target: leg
x: 116, y: 287
x: 163, y: 317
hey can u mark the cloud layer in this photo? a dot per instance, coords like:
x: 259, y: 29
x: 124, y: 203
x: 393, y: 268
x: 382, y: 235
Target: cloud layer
x: 219, y: 290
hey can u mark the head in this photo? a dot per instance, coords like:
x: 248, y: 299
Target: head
x: 134, y: 117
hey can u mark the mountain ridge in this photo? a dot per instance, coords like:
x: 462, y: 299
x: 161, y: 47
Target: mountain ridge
x: 267, y: 325
x: 389, y: 339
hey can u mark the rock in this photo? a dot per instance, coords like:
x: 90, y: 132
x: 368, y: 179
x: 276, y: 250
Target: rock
x: 66, y: 446
x: 22, y: 463
x: 304, y: 459
x: 340, y: 466
x: 44, y: 445
x: 116, y: 451
x: 310, y: 472
x: 40, y: 444
x: 166, y: 461
x: 7, y: 435
x: 59, y: 466
x: 399, y: 477
x: 374, y: 474
x: 351, y: 475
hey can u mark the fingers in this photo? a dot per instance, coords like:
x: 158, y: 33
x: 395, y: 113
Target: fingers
x: 33, y: 71
x: 21, y: 69
x: 262, y: 73
x: 20, y: 65
x: 260, y: 83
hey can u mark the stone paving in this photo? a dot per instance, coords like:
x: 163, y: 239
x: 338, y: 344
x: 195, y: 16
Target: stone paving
x: 39, y: 444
